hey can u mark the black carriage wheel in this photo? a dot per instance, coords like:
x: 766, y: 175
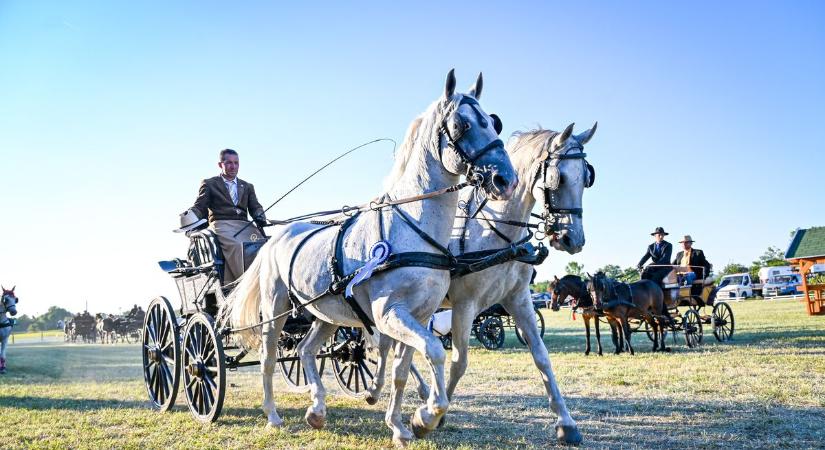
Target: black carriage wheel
x: 692, y: 327
x: 539, y: 325
x: 291, y: 368
x: 491, y: 333
x: 161, y: 354
x: 354, y: 361
x: 204, y: 368
x: 722, y: 318
x: 649, y: 332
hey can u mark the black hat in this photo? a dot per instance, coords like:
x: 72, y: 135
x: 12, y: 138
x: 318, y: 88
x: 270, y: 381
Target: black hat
x: 659, y: 230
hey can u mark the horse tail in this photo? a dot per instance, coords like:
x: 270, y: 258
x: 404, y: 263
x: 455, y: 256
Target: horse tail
x: 242, y: 307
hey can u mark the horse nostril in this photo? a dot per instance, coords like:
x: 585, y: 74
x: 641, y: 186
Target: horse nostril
x: 500, y: 183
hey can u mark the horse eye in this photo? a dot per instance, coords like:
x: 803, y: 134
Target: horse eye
x: 467, y: 126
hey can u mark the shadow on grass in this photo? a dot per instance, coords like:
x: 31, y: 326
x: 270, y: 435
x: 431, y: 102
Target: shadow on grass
x: 635, y: 422
x: 74, y: 404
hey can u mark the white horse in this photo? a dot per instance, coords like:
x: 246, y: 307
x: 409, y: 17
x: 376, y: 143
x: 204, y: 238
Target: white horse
x: 560, y: 192
x: 453, y: 136
x: 8, y: 305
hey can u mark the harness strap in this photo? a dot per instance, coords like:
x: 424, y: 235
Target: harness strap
x: 291, y: 288
x: 427, y: 238
x: 7, y: 324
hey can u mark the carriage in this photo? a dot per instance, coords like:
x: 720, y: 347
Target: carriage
x: 82, y: 326
x: 128, y: 329
x: 488, y: 326
x: 694, y: 297
x: 187, y: 343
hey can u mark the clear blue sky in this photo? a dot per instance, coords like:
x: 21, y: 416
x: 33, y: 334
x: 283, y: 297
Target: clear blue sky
x: 710, y: 119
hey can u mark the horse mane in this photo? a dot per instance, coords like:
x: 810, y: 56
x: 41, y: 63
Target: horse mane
x: 422, y: 127
x: 528, y: 145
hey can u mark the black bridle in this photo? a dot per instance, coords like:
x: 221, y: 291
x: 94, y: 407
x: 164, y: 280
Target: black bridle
x: 549, y: 168
x: 454, y: 142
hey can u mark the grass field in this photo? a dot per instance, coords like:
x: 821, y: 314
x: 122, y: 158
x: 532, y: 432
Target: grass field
x: 766, y: 389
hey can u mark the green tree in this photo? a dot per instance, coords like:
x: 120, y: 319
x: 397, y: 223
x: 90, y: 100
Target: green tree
x: 23, y: 323
x: 629, y: 275
x: 540, y: 286
x: 772, y: 257
x: 574, y: 268
x: 611, y: 270
x: 732, y: 268
x: 48, y: 320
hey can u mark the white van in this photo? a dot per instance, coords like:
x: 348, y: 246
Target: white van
x: 735, y: 286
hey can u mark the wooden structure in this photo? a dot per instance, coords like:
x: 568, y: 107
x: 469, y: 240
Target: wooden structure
x: 807, y: 248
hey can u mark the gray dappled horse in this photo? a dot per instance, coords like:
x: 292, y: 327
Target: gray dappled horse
x: 552, y: 172
x: 8, y: 306
x: 454, y: 136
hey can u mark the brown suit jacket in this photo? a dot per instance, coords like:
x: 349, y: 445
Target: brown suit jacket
x: 214, y: 200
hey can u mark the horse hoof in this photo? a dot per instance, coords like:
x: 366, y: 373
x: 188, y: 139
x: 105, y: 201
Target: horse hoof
x: 442, y: 422
x: 316, y: 421
x: 419, y: 429
x: 370, y: 399
x: 568, y: 434
x: 275, y: 425
x: 586, y: 353
x: 402, y: 441
x: 667, y: 349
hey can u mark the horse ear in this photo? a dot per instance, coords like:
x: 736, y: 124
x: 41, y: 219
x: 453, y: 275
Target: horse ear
x: 12, y: 288
x: 583, y: 138
x: 475, y: 91
x: 556, y: 277
x: 449, y: 88
x: 562, y: 137
x: 589, y: 276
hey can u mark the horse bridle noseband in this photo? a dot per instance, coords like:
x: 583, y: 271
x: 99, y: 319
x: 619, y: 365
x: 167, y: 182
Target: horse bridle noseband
x: 551, y: 213
x: 454, y: 142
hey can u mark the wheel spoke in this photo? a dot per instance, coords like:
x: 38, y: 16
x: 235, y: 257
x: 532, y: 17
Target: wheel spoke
x: 365, y: 369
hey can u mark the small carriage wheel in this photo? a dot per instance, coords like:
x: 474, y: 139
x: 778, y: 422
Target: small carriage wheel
x: 161, y: 354
x: 204, y: 368
x: 491, y: 333
x: 692, y: 327
x: 539, y: 325
x: 649, y: 331
x: 292, y: 369
x: 722, y: 318
x: 354, y: 361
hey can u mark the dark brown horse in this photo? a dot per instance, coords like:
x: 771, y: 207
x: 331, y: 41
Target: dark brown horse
x: 640, y: 300
x: 574, y: 287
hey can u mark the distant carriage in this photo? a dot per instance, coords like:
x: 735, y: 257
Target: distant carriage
x: 488, y: 327
x: 186, y: 342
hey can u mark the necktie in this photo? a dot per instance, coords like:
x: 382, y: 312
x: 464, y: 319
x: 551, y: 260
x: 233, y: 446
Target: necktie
x: 233, y: 191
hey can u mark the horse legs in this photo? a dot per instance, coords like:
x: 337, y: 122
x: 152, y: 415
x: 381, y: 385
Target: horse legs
x: 461, y: 327
x: 401, y: 435
x: 586, y: 319
x: 270, y: 333
x: 374, y: 391
x: 616, y: 335
x: 307, y: 350
x: 626, y: 326
x: 598, y: 336
x: 402, y: 326
x: 525, y: 317
x: 3, y: 341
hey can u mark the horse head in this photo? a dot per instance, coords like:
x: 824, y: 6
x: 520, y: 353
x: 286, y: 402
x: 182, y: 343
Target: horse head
x: 559, y: 177
x: 468, y: 141
x: 597, y: 287
x: 9, y: 301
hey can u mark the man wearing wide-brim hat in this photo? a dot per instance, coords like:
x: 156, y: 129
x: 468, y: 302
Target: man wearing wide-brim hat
x: 659, y: 255
x: 227, y: 200
x: 694, y: 259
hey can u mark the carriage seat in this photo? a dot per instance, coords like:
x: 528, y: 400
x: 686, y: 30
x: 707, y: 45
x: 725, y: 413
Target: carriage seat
x: 204, y: 248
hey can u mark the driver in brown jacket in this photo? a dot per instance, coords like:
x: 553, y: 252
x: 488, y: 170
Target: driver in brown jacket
x: 227, y: 200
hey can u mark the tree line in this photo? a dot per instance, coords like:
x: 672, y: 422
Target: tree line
x: 44, y: 322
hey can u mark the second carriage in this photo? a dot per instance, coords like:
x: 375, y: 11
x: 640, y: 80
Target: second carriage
x: 693, y: 296
x: 187, y: 344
